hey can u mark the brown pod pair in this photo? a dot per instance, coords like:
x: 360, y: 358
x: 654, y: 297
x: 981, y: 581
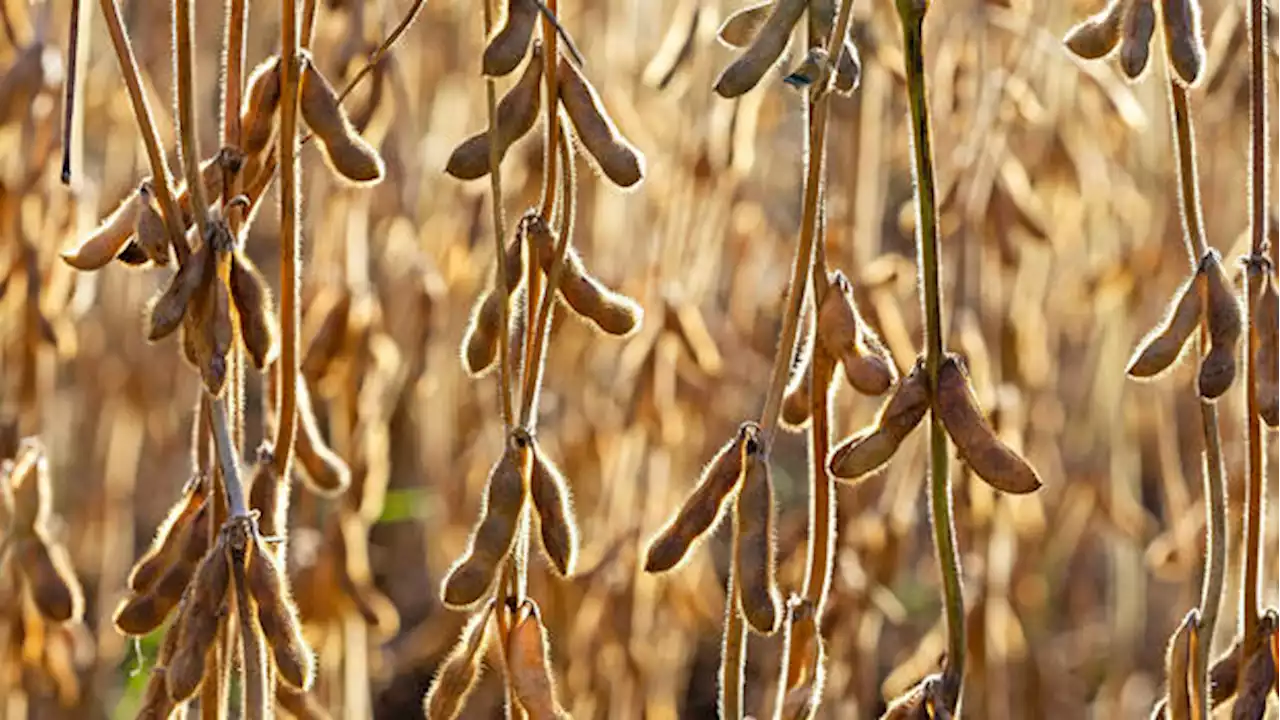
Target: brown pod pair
x: 510, y: 43
x: 612, y: 312
x: 145, y: 609
x: 529, y: 664
x: 208, y: 333
x: 1098, y: 35
x: 844, y: 335
x: 457, y: 674
x: 169, y: 308
x: 1266, y: 324
x: 109, y: 238
x: 868, y: 451
x: 611, y: 153
x: 1138, y: 26
x: 1164, y: 345
x: 471, y: 577
x: 345, y: 150
x: 516, y: 115
x: 763, y: 51
x: 704, y: 506
x: 203, y: 608
x: 979, y: 445
x: 755, y: 521
x: 553, y: 503
x: 256, y: 318
x: 261, y: 101
x: 1225, y: 326
x: 278, y: 617
x: 1183, y: 39
x: 49, y: 578
x: 481, y: 338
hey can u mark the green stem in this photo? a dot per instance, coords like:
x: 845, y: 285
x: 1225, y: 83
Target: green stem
x: 912, y: 16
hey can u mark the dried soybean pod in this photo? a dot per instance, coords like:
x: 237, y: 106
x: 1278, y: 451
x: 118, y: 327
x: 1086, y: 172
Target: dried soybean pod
x: 702, y: 509
x: 278, y: 618
x: 141, y: 613
x: 169, y: 308
x: 253, y: 304
x: 1177, y: 662
x: 1222, y: 317
x: 325, y: 473
x: 551, y: 499
x: 152, y: 235
x: 1098, y: 35
x: 1165, y: 344
x: 771, y: 39
x: 50, y: 580
x: 1259, y: 676
x: 1266, y: 320
x: 1224, y: 674
x: 457, y: 675
x: 510, y: 43
x: 612, y: 312
x: 348, y: 153
x: 151, y: 566
x: 516, y: 115
x: 869, y: 450
x: 108, y: 239
x: 328, y: 336
x: 198, y: 624
x: 530, y: 668
x: 615, y: 157
x: 269, y: 496
x: 978, y: 444
x: 755, y: 520
x: 841, y: 331
x: 741, y: 27
x: 261, y: 100
x: 1138, y: 27
x: 472, y: 576
x: 480, y: 339
x: 221, y: 337
x: 1183, y: 38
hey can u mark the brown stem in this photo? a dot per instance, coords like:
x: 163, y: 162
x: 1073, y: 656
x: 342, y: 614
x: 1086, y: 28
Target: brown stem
x: 160, y: 178
x: 287, y: 417
x: 533, y: 368
x: 233, y: 76
x: 188, y: 130
x: 399, y: 30
x: 499, y: 233
x: 69, y: 89
x: 549, y: 39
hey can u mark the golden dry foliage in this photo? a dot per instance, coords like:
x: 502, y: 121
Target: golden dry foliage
x: 639, y: 360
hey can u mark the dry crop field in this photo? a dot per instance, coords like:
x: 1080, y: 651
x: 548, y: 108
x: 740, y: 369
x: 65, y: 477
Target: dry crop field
x: 607, y: 359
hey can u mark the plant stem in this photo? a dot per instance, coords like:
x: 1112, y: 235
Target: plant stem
x: 1255, y: 508
x: 399, y: 30
x: 188, y: 131
x: 290, y: 67
x: 1215, y: 473
x: 533, y: 369
x: 499, y: 238
x: 735, y: 641
x: 160, y: 179
x: 233, y: 77
x: 551, y: 59
x: 227, y: 461
x: 69, y: 94
x: 912, y: 15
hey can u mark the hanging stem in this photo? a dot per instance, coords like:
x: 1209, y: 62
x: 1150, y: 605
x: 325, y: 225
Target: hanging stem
x: 287, y: 418
x: 912, y: 13
x: 550, y: 65
x: 499, y: 236
x: 1214, y: 472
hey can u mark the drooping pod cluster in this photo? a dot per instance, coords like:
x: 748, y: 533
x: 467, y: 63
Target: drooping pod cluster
x: 869, y: 450
x: 517, y: 113
x: 845, y: 337
x: 612, y: 154
x: 1129, y: 26
x: 764, y: 30
x: 1207, y: 298
x: 610, y: 311
x: 41, y: 562
x: 347, y: 153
